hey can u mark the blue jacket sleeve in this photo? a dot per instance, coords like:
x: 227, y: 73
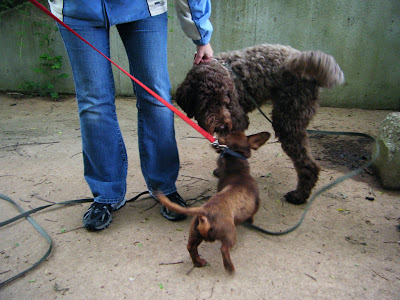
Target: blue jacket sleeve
x: 194, y: 18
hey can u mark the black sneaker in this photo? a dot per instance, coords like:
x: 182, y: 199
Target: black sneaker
x: 98, y: 216
x: 172, y: 216
x: 118, y: 205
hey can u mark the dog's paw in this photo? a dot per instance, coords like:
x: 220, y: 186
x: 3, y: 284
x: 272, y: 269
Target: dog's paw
x: 200, y: 263
x: 229, y: 268
x: 250, y: 220
x: 215, y: 173
x: 292, y: 197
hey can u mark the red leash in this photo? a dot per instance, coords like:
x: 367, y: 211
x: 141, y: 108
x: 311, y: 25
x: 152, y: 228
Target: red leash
x: 207, y: 135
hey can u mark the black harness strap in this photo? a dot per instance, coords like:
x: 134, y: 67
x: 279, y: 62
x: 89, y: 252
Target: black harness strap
x: 229, y: 67
x: 227, y: 151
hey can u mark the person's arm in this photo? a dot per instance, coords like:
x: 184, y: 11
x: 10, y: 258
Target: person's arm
x: 194, y: 19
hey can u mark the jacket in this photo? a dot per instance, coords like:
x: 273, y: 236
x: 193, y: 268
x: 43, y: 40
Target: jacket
x: 193, y: 14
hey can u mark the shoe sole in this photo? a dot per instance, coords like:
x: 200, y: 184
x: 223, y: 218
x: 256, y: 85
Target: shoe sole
x: 104, y: 226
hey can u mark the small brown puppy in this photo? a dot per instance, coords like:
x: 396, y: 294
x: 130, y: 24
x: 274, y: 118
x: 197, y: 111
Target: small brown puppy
x: 236, y: 201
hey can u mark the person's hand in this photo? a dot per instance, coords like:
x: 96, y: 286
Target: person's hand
x: 204, y: 53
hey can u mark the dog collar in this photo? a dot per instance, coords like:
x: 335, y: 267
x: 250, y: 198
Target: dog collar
x: 227, y: 151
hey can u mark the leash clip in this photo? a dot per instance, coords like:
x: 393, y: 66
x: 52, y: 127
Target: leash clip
x: 226, y: 151
x: 217, y: 146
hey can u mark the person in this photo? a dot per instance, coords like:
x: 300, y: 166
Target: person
x: 142, y: 26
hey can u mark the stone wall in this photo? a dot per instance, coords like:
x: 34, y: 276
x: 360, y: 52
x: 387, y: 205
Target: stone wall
x: 363, y: 36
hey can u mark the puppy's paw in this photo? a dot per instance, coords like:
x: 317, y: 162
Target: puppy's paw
x: 294, y: 198
x: 200, y: 263
x: 250, y: 220
x: 229, y: 268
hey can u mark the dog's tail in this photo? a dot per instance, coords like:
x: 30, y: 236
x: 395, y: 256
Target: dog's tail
x: 195, y: 211
x: 317, y: 65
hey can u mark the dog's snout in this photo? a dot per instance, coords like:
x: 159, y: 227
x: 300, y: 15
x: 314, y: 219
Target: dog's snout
x: 221, y: 128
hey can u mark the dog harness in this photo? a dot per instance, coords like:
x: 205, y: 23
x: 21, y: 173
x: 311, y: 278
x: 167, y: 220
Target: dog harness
x: 235, y: 75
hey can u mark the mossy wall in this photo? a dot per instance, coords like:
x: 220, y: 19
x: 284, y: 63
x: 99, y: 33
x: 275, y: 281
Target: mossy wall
x: 363, y: 36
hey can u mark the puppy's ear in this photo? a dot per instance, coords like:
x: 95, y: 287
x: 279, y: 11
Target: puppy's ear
x: 204, y: 226
x: 258, y: 139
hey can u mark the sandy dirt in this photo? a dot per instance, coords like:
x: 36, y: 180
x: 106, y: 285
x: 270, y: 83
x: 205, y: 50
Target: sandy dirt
x: 347, y: 247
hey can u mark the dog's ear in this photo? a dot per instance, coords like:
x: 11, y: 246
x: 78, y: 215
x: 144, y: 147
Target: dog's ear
x: 184, y: 98
x: 240, y: 120
x: 258, y: 139
x: 204, y: 226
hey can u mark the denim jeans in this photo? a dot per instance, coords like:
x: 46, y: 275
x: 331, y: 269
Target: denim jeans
x: 104, y: 154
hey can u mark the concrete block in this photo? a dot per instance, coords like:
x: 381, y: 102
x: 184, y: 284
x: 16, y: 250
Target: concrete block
x: 387, y: 165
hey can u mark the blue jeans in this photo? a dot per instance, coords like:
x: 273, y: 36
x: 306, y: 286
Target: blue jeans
x: 104, y: 154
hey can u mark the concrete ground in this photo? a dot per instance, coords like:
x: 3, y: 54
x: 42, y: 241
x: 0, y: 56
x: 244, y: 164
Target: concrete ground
x: 347, y: 248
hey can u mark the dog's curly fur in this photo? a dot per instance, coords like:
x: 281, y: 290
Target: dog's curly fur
x: 219, y: 96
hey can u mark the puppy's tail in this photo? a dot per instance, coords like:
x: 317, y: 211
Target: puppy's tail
x: 196, y: 211
x: 317, y: 65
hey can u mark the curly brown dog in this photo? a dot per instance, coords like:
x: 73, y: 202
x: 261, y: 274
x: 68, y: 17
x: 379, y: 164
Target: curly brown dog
x: 236, y: 201
x: 220, y: 94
